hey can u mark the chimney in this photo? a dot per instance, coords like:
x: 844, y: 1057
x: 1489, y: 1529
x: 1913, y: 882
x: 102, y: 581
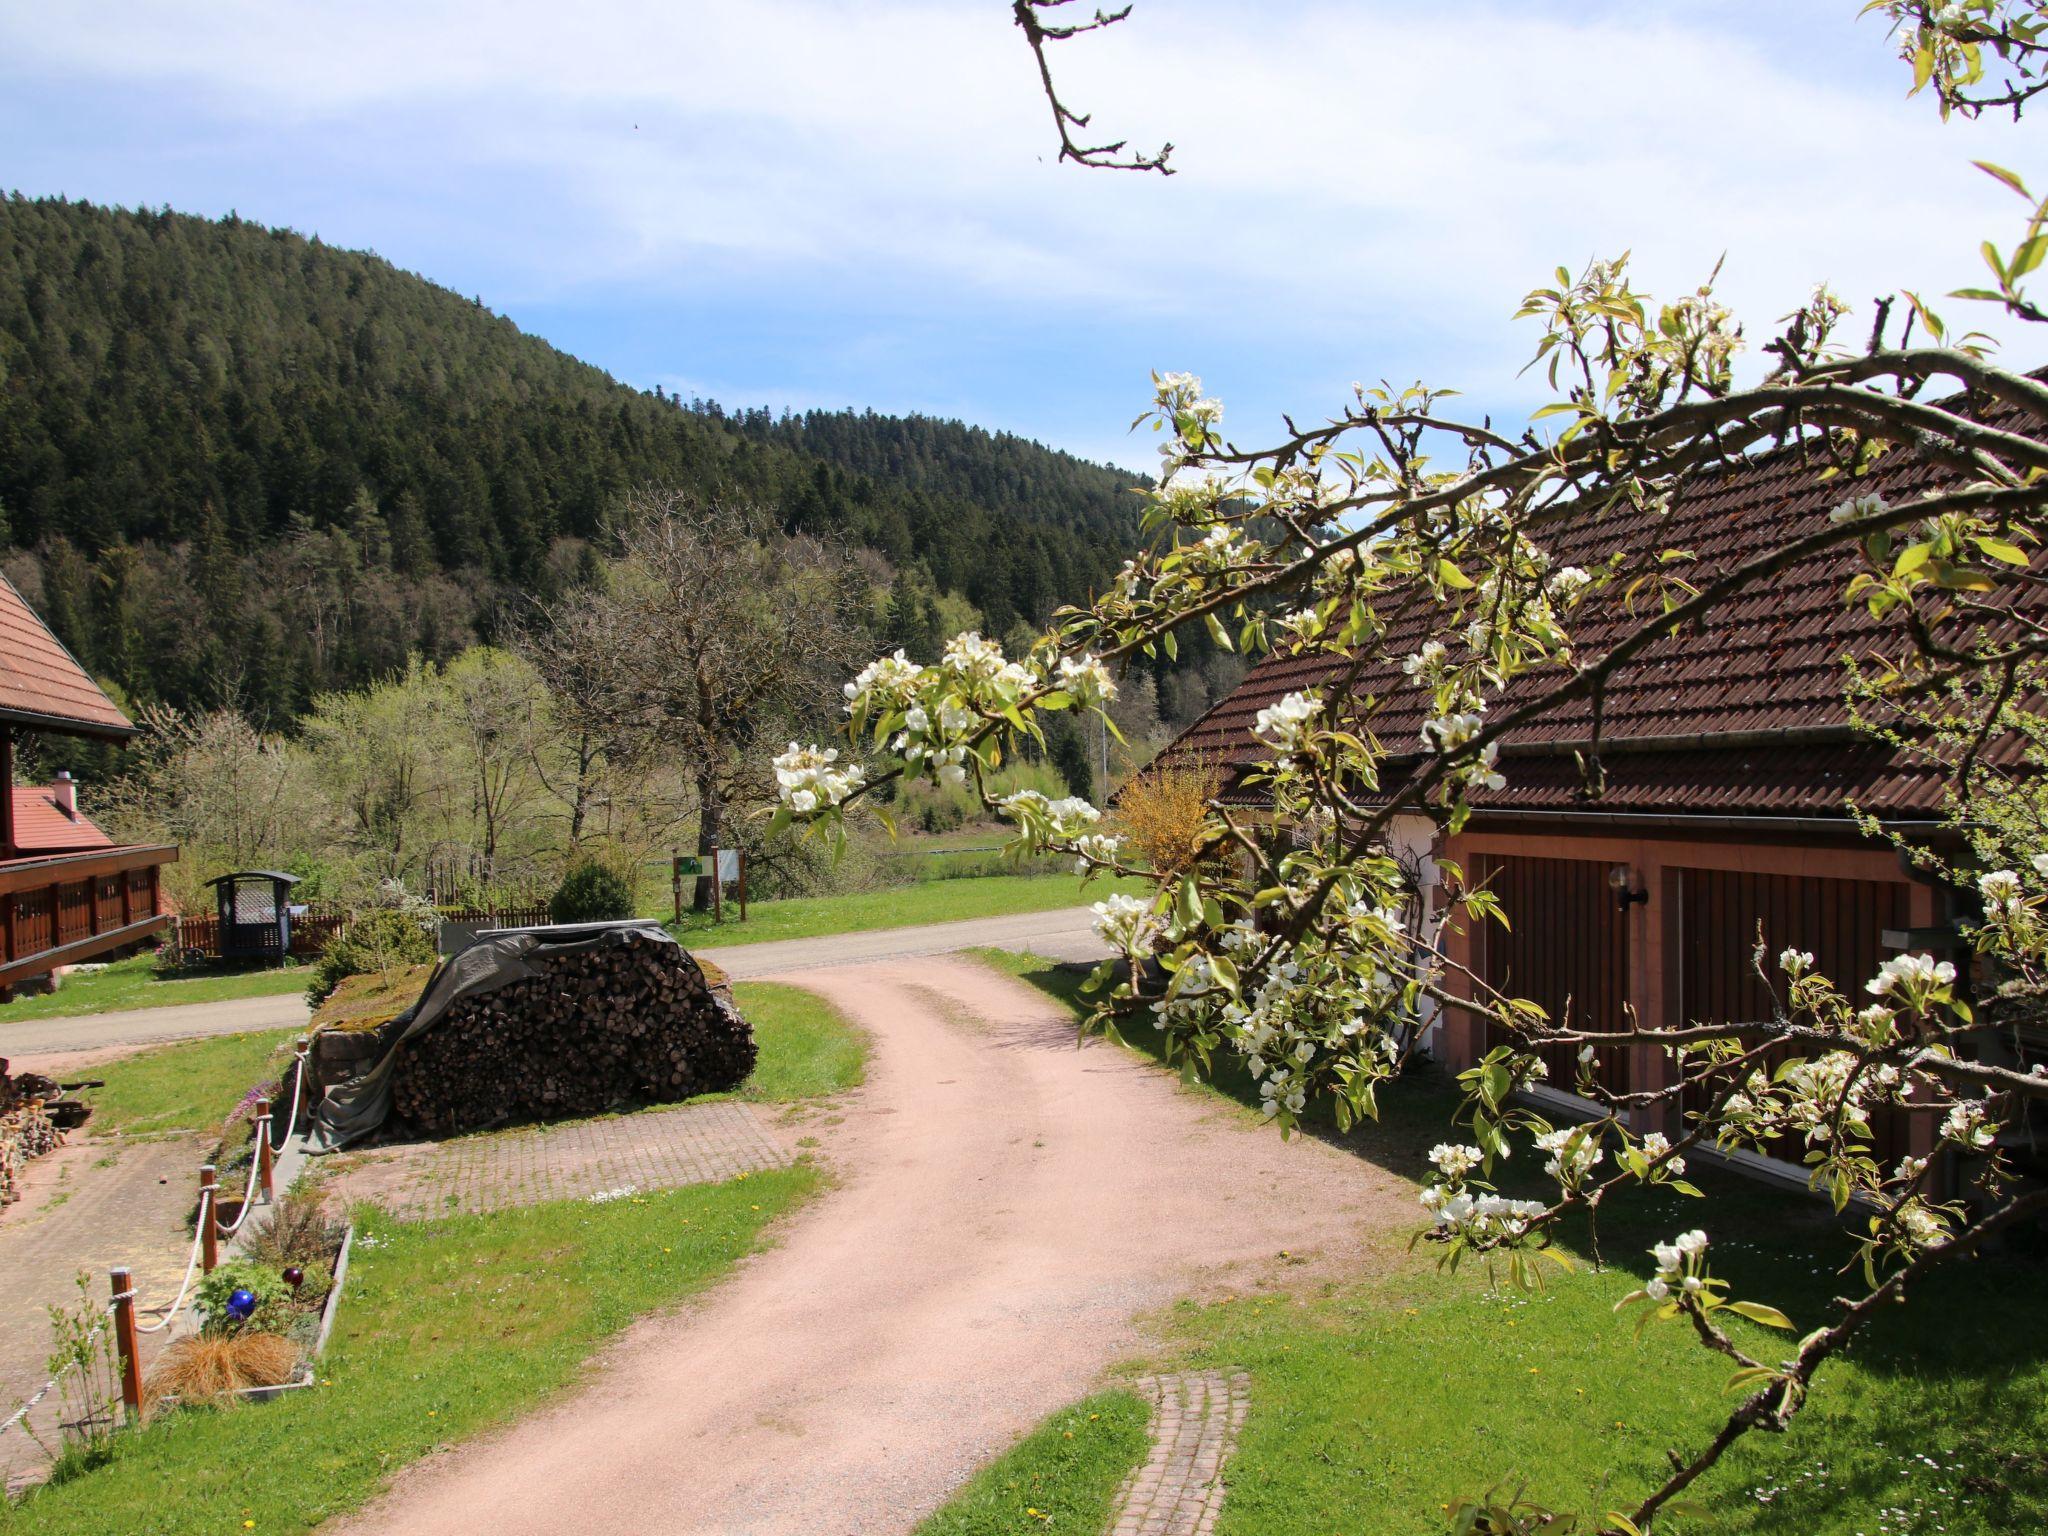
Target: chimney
x: 65, y: 793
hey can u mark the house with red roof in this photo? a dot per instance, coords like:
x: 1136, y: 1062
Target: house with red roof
x: 1728, y: 769
x: 68, y: 892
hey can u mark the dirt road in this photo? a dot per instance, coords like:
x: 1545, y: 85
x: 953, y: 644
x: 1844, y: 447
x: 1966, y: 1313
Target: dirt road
x: 1007, y: 1206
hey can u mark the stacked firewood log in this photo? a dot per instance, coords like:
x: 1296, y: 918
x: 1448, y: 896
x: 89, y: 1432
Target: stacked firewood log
x: 26, y: 1129
x: 627, y: 1023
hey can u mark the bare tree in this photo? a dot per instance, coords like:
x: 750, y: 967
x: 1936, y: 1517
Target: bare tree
x: 1102, y: 157
x: 713, y: 629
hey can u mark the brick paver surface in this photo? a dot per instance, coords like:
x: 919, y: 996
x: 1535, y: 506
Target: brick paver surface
x: 656, y: 1149
x: 89, y: 1205
x: 1179, y: 1490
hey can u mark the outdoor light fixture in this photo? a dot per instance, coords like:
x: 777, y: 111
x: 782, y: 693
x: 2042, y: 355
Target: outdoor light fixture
x: 1620, y: 878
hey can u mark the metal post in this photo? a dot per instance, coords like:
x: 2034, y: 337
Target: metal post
x: 125, y: 1342
x: 263, y: 1152
x: 209, y: 1236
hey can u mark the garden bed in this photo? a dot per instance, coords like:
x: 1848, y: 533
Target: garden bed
x: 265, y: 1314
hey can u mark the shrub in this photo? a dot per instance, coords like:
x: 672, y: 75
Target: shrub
x: 296, y: 1231
x: 1164, y: 812
x: 276, y: 1307
x: 591, y: 892
x: 212, y: 1367
x: 388, y: 939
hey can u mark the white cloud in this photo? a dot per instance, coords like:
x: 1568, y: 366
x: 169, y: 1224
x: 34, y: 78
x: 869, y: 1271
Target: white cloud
x: 1392, y: 176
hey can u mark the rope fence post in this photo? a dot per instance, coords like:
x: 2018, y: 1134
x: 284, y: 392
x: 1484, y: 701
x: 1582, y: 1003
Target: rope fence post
x: 264, y: 1156
x: 209, y: 1239
x: 126, y: 1343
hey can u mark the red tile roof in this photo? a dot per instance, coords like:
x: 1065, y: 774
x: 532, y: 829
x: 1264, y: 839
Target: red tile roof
x: 41, y: 686
x: 1742, y: 715
x: 42, y: 826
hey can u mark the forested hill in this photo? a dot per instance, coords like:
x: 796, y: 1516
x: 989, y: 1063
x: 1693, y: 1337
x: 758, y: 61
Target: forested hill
x: 238, y: 463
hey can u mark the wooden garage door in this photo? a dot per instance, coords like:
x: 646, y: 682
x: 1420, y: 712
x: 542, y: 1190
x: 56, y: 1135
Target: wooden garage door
x: 1841, y: 922
x: 1567, y: 951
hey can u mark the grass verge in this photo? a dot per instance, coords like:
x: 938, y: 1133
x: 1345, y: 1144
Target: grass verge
x: 447, y: 1329
x: 189, y: 1086
x: 896, y: 906
x: 1375, y: 1405
x: 132, y: 983
x: 807, y: 1046
x: 1061, y: 1477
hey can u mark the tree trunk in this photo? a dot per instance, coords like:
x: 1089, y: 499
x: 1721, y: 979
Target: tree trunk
x: 710, y: 823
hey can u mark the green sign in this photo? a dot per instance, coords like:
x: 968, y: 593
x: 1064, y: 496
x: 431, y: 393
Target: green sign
x: 688, y: 864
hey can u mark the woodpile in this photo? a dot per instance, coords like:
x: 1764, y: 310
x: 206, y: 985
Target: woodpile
x: 26, y: 1129
x: 626, y: 1023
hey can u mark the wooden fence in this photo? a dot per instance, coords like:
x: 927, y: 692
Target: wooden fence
x: 200, y: 935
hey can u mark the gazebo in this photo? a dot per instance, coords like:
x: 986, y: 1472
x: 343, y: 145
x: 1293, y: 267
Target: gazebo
x: 255, y: 913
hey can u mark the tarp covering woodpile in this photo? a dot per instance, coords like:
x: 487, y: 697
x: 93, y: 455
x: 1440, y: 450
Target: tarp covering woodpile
x: 541, y: 1024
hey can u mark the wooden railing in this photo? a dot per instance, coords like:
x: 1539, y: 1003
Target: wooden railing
x: 199, y: 936
x: 68, y: 907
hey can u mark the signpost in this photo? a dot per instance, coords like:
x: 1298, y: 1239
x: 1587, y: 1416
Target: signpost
x: 728, y: 866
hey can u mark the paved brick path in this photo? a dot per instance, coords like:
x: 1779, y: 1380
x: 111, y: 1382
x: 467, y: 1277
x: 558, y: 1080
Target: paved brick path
x: 1179, y: 1489
x: 656, y: 1149
x: 90, y: 1205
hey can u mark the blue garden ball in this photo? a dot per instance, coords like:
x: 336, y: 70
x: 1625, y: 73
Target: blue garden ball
x: 241, y: 1303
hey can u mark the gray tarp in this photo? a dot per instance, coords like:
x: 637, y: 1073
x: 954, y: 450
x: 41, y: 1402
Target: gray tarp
x: 353, y: 1109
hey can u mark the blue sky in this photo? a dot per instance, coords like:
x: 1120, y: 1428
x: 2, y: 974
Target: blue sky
x: 814, y: 203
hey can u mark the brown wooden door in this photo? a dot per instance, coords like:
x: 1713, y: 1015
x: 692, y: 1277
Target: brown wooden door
x: 1840, y: 922
x: 1566, y: 950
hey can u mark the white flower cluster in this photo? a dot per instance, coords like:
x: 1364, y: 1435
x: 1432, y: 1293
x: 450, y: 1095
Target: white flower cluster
x: 2000, y: 889
x: 1870, y: 504
x: 1574, y: 1153
x: 1680, y: 1263
x: 1284, y: 726
x: 1795, y: 962
x: 808, y: 780
x: 1479, y: 1217
x: 1125, y: 923
x: 888, y: 682
x: 1061, y: 820
x: 1567, y: 584
x: 1655, y: 1145
x: 1095, y: 848
x: 1966, y: 1124
x: 1910, y: 978
x: 974, y: 661
x: 1086, y: 679
x: 1454, y: 1161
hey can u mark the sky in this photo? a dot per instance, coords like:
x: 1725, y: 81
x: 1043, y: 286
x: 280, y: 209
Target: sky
x: 820, y: 204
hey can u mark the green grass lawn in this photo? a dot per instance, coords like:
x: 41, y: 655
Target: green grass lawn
x: 1061, y: 1477
x: 447, y: 1329
x: 133, y: 983
x: 1376, y: 1404
x: 807, y: 1046
x: 189, y: 1086
x: 899, y: 906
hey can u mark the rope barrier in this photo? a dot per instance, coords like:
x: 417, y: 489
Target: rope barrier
x: 248, y: 1192
x: 20, y: 1414
x: 263, y: 1130
x: 184, y: 1285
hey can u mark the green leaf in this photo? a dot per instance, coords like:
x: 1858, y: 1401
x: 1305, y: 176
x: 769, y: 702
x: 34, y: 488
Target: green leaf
x: 1998, y: 549
x: 2002, y: 174
x: 1757, y: 1312
x: 1218, y: 633
x: 1451, y: 576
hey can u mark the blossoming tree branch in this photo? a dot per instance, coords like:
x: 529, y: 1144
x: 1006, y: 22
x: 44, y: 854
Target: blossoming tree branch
x: 1301, y: 956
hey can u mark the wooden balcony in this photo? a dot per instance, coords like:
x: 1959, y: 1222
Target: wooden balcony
x: 63, y: 908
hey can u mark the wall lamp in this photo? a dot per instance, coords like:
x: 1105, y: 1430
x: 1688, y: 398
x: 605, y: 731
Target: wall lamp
x: 1619, y: 879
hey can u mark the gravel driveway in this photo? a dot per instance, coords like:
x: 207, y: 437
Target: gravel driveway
x: 1007, y: 1206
